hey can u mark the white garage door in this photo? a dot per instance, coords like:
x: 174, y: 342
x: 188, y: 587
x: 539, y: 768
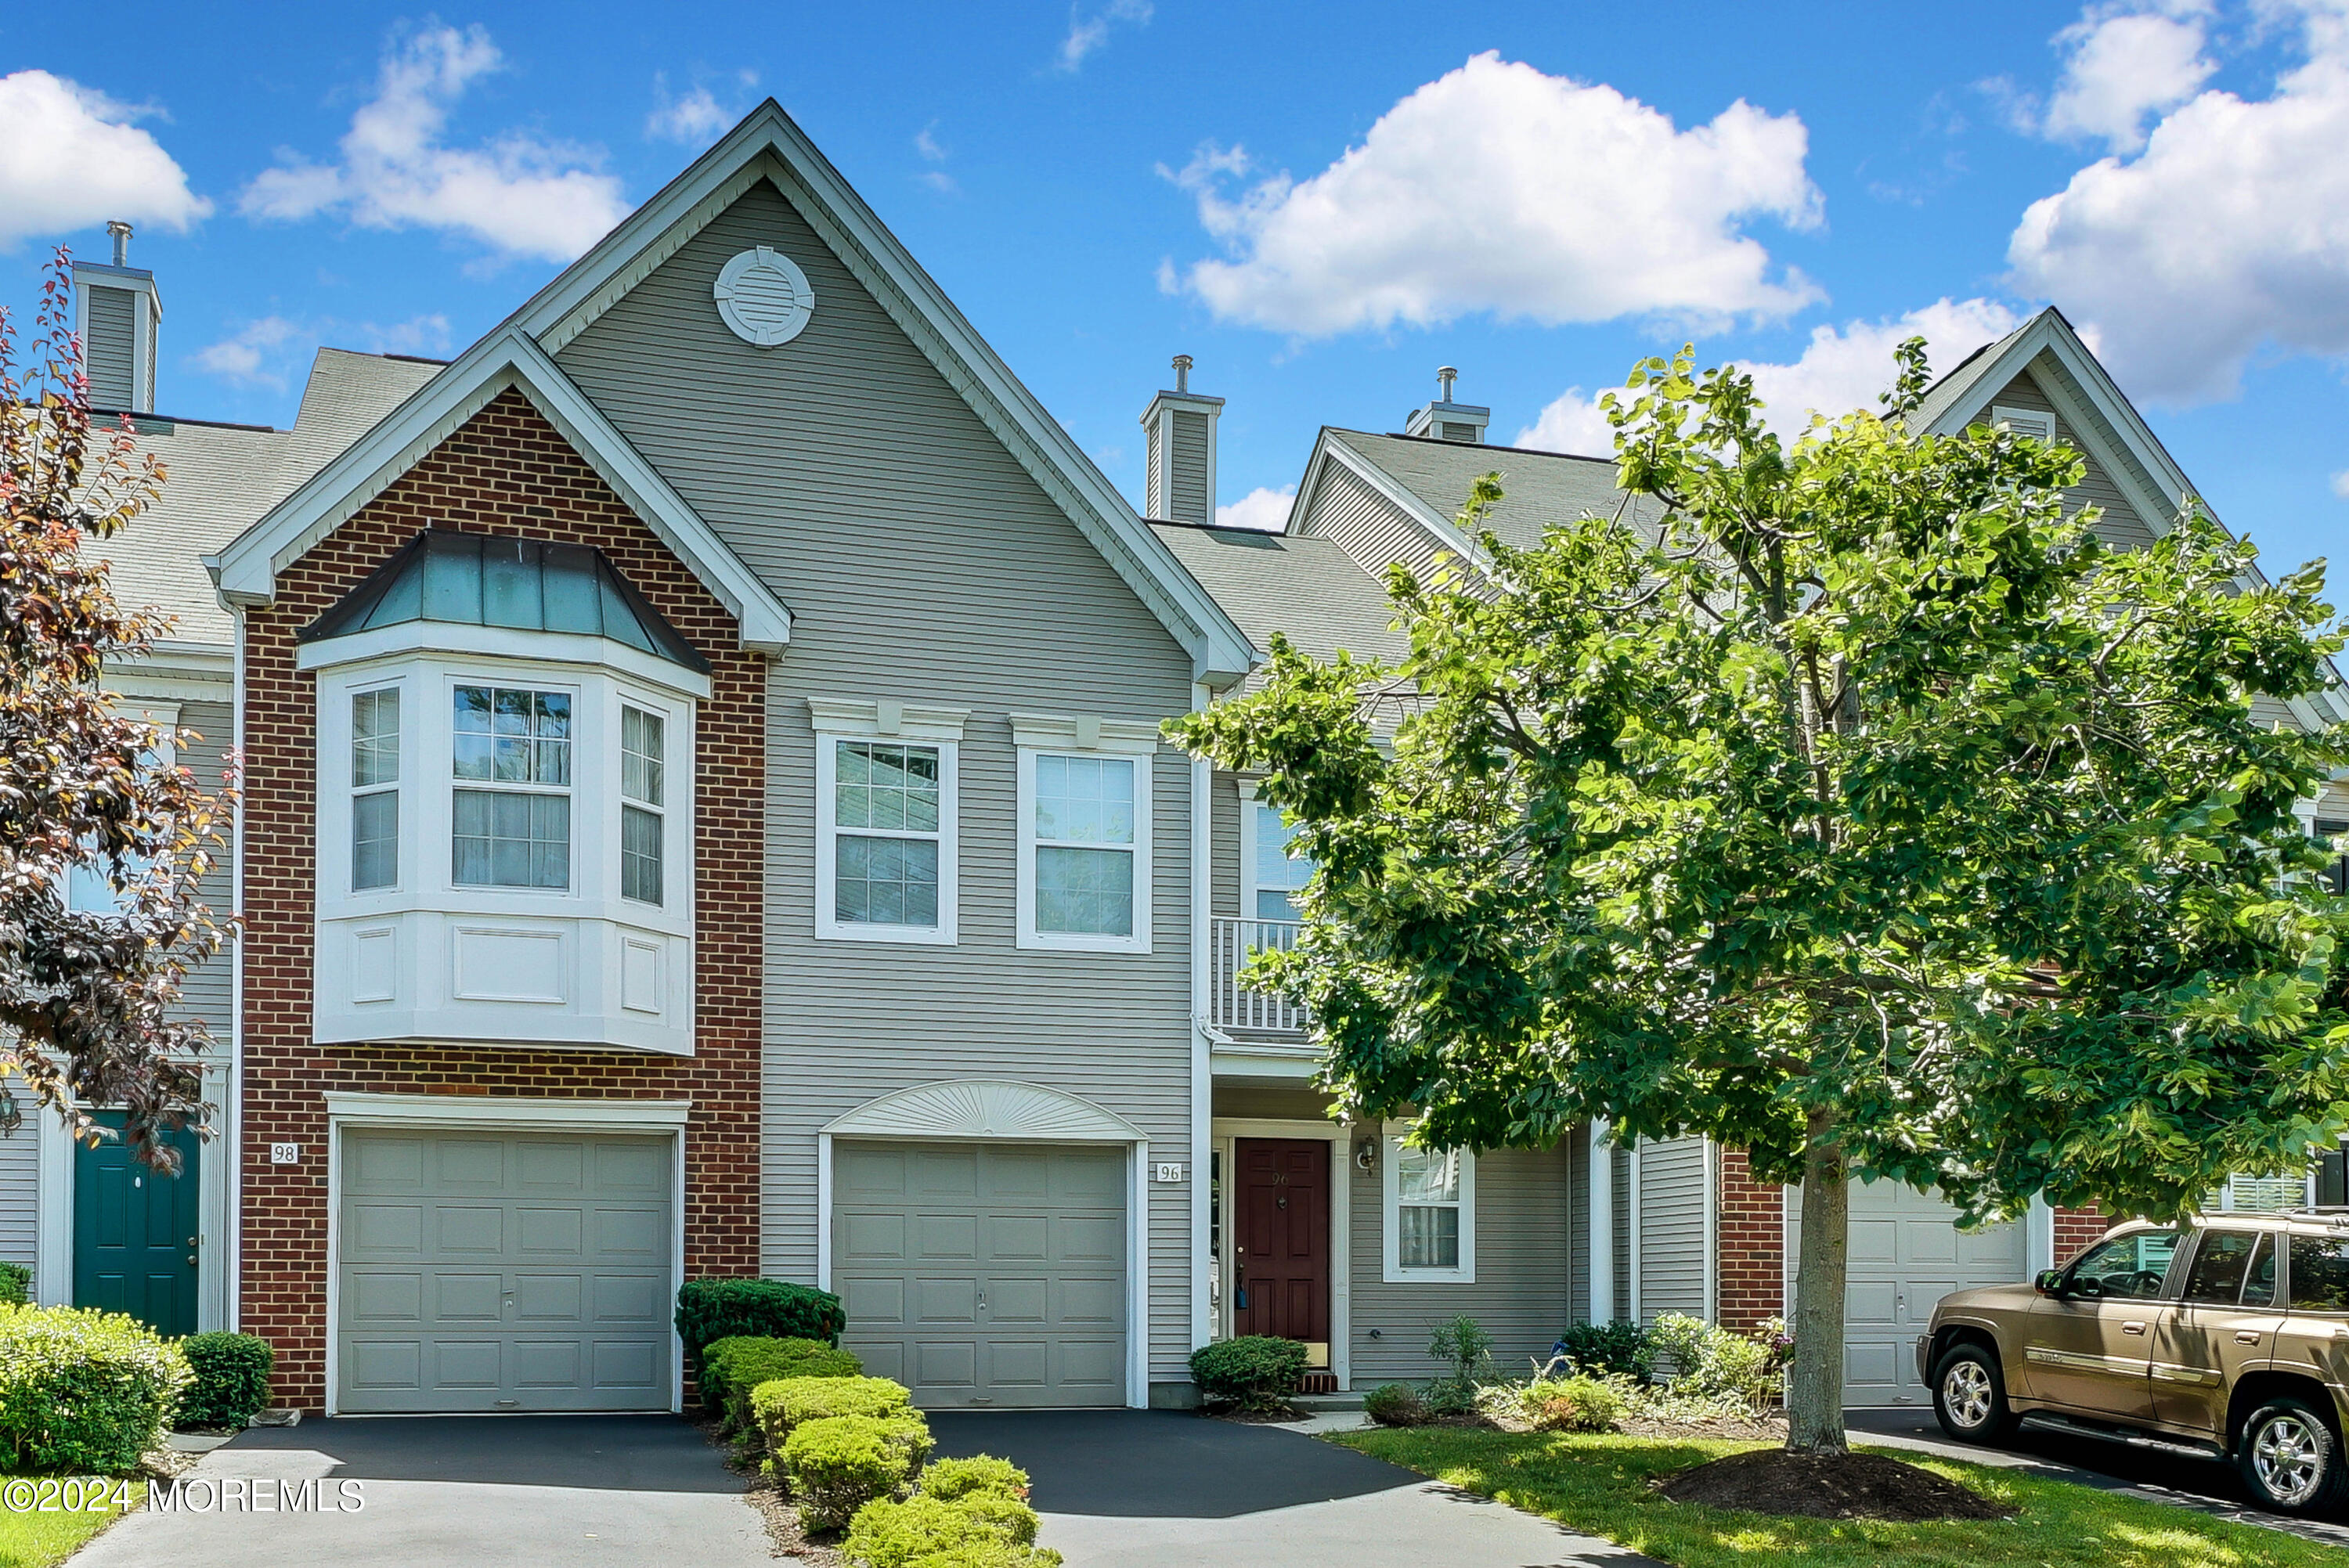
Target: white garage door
x: 982, y: 1273
x: 1907, y: 1254
x: 488, y: 1272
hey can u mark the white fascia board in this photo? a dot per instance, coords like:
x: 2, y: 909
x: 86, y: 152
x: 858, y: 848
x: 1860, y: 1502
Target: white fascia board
x: 245, y: 572
x: 767, y: 144
x: 1446, y: 531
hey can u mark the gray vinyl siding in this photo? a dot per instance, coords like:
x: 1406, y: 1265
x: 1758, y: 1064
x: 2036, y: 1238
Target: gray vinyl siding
x: 1366, y: 525
x: 206, y: 993
x: 1673, y: 1177
x: 1520, y: 1293
x: 108, y: 349
x: 2123, y: 523
x: 1224, y: 856
x: 1190, y: 500
x: 1272, y: 1102
x: 1577, y: 1229
x: 20, y: 1179
x: 920, y: 562
x: 1620, y: 1159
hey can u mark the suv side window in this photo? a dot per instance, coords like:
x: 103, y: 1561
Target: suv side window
x: 2220, y: 1264
x: 2259, y: 1286
x: 2320, y: 1273
x: 2129, y: 1266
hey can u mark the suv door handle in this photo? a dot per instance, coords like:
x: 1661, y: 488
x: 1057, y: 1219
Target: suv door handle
x: 2247, y: 1336
x: 2132, y: 1328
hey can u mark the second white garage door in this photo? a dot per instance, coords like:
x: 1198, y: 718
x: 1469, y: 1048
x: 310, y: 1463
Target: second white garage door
x: 481, y: 1272
x: 1907, y: 1254
x: 984, y: 1275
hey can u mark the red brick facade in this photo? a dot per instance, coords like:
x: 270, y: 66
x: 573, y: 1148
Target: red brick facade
x: 2075, y: 1229
x: 505, y: 471
x: 1753, y: 1279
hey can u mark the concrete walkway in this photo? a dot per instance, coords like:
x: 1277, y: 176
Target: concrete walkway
x: 1160, y: 1489
x: 529, y: 1492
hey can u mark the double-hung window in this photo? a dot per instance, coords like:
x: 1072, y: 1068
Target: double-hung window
x: 1084, y: 834
x: 1277, y: 868
x: 375, y: 790
x: 885, y: 844
x: 509, y: 752
x: 1431, y: 1210
x: 641, y: 817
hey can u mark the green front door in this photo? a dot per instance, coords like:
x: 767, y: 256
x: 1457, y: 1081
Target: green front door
x: 135, y: 1232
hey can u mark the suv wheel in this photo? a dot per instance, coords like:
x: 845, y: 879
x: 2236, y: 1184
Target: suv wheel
x: 2290, y: 1456
x: 1970, y: 1397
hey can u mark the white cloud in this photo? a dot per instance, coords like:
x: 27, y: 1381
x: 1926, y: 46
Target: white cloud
x: 71, y: 158
x: 2229, y: 233
x: 1496, y: 188
x: 1263, y: 508
x: 931, y: 151
x: 2341, y: 484
x: 1088, y: 33
x: 426, y: 335
x: 1572, y: 423
x: 518, y: 195
x: 2122, y: 63
x: 259, y: 354
x: 1840, y: 369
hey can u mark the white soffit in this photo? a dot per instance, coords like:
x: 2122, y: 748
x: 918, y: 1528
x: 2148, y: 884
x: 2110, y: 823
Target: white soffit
x: 245, y: 572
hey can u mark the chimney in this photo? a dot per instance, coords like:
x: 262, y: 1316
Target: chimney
x: 117, y: 312
x: 1444, y: 420
x: 1181, y: 426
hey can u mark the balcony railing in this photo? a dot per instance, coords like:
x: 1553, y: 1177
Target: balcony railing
x: 1235, y: 1008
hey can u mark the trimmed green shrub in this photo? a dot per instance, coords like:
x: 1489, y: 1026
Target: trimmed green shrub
x: 1618, y: 1349
x: 1252, y: 1372
x: 837, y: 1464
x: 951, y: 1479
x: 83, y: 1392
x: 710, y: 1310
x: 1571, y: 1405
x: 779, y: 1406
x: 931, y: 1531
x: 1709, y: 1362
x: 15, y: 1284
x: 1396, y: 1405
x: 1468, y: 1349
x: 731, y: 1368
x: 230, y: 1380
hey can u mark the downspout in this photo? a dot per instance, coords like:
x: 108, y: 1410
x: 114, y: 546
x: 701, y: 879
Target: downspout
x: 1601, y: 1206
x: 1203, y: 1079
x: 232, y: 1112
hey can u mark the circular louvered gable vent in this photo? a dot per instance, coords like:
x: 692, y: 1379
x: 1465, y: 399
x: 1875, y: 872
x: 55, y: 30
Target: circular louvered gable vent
x: 764, y: 297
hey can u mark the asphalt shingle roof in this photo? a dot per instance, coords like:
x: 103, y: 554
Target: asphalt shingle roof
x: 1306, y: 589
x: 1537, y: 488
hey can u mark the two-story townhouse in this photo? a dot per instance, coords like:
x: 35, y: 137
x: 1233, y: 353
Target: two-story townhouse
x: 1684, y: 1226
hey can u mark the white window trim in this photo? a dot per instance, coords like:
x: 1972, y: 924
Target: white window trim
x: 1036, y: 735
x: 889, y: 720
x: 1390, y: 1139
x: 1249, y: 834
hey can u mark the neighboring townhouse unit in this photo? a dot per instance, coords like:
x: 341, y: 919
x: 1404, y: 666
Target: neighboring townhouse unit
x: 704, y: 814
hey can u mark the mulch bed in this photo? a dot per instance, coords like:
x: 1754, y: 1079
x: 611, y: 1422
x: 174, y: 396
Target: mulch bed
x: 1828, y: 1486
x: 1767, y: 1428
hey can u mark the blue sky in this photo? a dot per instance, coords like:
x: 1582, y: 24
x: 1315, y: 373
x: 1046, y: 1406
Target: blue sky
x: 1321, y: 204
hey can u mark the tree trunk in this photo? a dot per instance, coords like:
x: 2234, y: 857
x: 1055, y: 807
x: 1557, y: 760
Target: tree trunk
x: 1815, y: 1391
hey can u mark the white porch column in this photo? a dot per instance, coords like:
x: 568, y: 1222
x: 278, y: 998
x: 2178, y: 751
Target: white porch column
x: 1602, y: 1210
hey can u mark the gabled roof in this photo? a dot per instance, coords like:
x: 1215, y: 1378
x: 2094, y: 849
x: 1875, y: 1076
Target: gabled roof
x: 1430, y: 479
x: 247, y: 572
x: 766, y: 145
x: 2105, y: 422
x: 1307, y: 588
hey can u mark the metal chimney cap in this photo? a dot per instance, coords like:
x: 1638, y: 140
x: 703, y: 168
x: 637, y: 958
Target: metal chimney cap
x: 1182, y: 373
x: 121, y: 232
x: 1446, y: 374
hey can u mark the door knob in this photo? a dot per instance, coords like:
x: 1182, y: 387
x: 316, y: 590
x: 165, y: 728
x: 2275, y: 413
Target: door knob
x: 2247, y: 1336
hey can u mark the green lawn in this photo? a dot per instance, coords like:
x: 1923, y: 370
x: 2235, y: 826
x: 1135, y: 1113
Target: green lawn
x: 1598, y: 1485
x: 34, y: 1540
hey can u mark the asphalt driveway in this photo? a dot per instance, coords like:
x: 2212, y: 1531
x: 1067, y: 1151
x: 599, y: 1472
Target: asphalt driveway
x: 1150, y: 1489
x: 610, y: 1491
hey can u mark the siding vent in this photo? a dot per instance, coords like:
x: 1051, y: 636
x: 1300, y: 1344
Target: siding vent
x: 117, y: 312
x: 1180, y: 429
x: 1446, y: 420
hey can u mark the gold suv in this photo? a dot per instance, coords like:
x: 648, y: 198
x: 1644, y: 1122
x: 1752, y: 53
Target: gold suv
x: 2224, y: 1337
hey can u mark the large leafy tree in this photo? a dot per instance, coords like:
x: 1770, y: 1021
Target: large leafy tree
x: 89, y: 997
x: 1867, y: 813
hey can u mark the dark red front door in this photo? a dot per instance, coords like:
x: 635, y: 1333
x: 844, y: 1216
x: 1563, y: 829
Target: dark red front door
x: 1280, y: 1239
